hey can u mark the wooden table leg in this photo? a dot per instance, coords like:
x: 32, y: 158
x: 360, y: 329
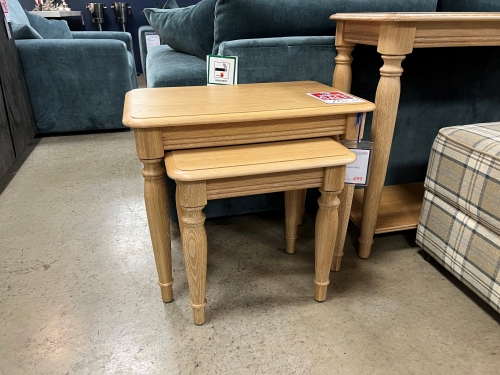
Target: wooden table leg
x: 293, y: 212
x: 155, y: 197
x: 149, y: 145
x: 395, y: 42
x: 302, y: 206
x: 342, y: 78
x: 326, y: 228
x: 192, y: 198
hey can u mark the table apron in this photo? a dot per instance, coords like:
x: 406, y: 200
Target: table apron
x: 430, y: 33
x: 214, y: 135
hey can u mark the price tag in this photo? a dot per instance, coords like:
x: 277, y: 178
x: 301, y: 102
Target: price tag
x: 152, y: 40
x: 359, y: 171
x: 335, y: 97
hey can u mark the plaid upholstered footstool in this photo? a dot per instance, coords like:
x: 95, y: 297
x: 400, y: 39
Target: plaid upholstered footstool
x: 460, y: 221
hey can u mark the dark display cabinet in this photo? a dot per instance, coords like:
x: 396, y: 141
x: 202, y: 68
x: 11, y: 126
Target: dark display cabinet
x: 17, y: 126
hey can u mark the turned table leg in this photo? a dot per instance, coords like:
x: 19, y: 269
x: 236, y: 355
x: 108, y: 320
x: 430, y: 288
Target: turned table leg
x: 302, y: 205
x: 293, y: 212
x: 384, y: 121
x: 192, y: 198
x: 326, y: 228
x: 155, y: 197
x: 395, y: 42
x: 342, y: 78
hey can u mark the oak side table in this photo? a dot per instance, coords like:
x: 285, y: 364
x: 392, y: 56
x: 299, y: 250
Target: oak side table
x: 177, y: 118
x: 395, y: 35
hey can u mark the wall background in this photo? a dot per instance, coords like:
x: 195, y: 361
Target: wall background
x: 136, y: 19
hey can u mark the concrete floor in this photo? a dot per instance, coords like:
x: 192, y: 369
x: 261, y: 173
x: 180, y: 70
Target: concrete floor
x: 78, y: 291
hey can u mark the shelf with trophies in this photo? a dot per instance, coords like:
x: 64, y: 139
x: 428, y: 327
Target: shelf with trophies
x: 50, y: 9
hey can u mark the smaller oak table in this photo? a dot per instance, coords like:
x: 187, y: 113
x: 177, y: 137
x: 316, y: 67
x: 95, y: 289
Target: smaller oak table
x: 177, y: 118
x: 395, y: 35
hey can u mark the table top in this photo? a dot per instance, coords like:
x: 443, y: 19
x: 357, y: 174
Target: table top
x: 417, y: 16
x: 256, y: 159
x: 198, y: 105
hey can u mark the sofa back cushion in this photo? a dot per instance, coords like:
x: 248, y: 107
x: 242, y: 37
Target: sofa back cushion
x: 189, y: 30
x: 49, y: 29
x: 469, y: 6
x: 23, y: 31
x: 248, y: 19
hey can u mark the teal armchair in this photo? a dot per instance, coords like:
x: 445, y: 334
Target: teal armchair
x: 78, y: 82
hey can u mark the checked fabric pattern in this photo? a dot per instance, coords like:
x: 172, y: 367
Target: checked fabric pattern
x: 460, y: 221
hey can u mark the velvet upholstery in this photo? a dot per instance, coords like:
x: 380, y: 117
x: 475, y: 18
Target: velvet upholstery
x: 168, y: 68
x: 469, y: 6
x: 188, y: 30
x: 111, y: 35
x: 49, y: 29
x: 76, y: 85
x: 283, y: 59
x: 24, y: 31
x: 244, y: 19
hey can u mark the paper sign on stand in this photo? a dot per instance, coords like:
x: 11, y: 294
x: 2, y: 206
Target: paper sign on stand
x: 222, y: 70
x: 152, y: 40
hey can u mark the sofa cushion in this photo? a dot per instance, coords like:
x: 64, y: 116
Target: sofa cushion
x: 49, y: 29
x: 464, y: 170
x: 170, y: 4
x: 168, y: 68
x: 23, y: 31
x: 189, y: 30
x: 469, y: 6
x: 249, y: 19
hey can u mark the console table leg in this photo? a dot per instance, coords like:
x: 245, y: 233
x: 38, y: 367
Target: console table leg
x: 155, y: 197
x: 384, y: 120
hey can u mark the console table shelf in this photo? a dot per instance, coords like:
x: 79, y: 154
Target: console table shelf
x: 399, y: 208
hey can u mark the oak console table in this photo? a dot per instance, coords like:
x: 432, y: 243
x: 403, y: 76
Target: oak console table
x: 395, y: 35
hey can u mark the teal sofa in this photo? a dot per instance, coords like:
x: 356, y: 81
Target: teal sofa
x: 76, y: 81
x: 288, y: 40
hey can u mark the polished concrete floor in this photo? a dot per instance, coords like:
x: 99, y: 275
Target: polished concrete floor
x: 78, y: 291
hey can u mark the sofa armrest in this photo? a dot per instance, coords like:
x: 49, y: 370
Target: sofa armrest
x: 76, y: 84
x: 143, y: 49
x: 118, y: 35
x: 283, y: 59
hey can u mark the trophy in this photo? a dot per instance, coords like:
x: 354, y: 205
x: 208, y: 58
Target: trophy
x: 122, y: 10
x: 97, y: 13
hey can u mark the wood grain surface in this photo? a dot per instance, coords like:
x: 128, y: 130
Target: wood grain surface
x: 418, y: 16
x: 197, y: 105
x: 262, y: 158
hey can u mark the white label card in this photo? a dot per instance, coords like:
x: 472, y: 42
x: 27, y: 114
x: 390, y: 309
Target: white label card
x: 152, y: 40
x: 222, y: 70
x: 357, y: 172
